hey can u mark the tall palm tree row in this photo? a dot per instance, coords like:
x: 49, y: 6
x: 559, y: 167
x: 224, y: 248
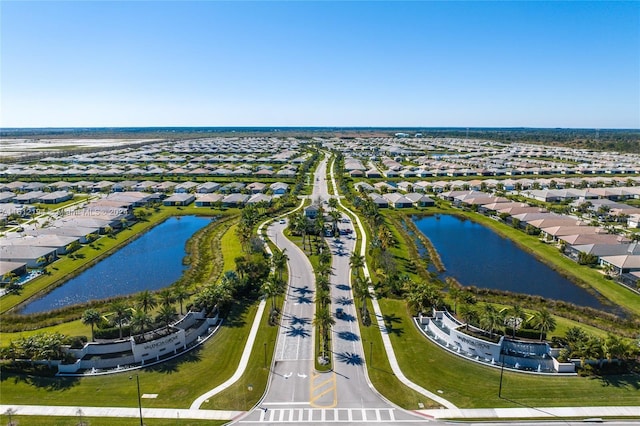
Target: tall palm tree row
x: 324, y: 320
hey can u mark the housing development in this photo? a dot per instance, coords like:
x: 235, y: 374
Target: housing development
x: 390, y: 277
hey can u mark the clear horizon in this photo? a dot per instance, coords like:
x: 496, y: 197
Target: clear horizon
x: 320, y: 64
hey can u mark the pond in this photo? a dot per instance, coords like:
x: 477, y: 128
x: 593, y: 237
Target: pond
x: 475, y: 255
x: 151, y: 262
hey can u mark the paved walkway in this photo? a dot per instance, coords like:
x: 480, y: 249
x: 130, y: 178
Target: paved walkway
x: 537, y: 412
x: 479, y: 413
x: 147, y: 413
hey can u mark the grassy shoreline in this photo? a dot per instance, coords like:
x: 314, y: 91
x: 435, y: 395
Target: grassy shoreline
x: 85, y: 257
x: 580, y: 275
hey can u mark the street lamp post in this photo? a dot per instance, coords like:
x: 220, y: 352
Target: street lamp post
x: 501, y: 373
x: 139, y: 400
x: 371, y: 353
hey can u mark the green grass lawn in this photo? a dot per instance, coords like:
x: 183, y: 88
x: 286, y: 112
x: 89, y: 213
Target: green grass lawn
x: 247, y: 391
x: 177, y: 382
x: 380, y: 374
x: 71, y: 328
x: 469, y: 385
x: 231, y: 249
x: 104, y: 421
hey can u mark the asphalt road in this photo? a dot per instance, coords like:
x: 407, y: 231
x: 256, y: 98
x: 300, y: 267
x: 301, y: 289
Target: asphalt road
x: 296, y: 393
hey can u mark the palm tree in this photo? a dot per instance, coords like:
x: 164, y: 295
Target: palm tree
x: 356, y: 262
x: 141, y: 320
x: 385, y: 237
x: 146, y: 301
x: 230, y: 280
x: 318, y: 230
x: 592, y: 348
x: 180, y: 294
x: 323, y: 269
x: 516, y: 318
x: 121, y: 313
x: 468, y: 314
x: 323, y: 296
x: 299, y: 225
x: 361, y: 291
x: 323, y: 320
x: 322, y: 282
x: 271, y: 289
x: 279, y: 262
x: 324, y: 257
x: 166, y: 314
x: 335, y: 218
x: 166, y: 297
x: 544, y: 322
x: 490, y: 317
x: 91, y: 317
x: 456, y: 294
x: 614, y: 347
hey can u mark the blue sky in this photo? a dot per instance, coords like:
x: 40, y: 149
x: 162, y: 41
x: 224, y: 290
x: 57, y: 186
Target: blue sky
x: 296, y: 63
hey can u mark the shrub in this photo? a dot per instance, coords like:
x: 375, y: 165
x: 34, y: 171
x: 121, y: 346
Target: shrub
x: 112, y: 332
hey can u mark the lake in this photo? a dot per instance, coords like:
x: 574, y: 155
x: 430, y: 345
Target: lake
x: 151, y: 262
x: 475, y: 255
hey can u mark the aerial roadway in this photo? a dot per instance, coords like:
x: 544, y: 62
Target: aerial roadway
x: 296, y: 393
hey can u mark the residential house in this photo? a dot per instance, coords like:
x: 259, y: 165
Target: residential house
x: 279, y: 188
x: 6, y: 197
x: 397, y: 200
x: 235, y: 200
x: 56, y: 197
x: 256, y: 187
x: 312, y: 211
x: 420, y: 200
x: 259, y: 198
x: 622, y: 264
x: 29, y: 197
x: 207, y: 199
x: 207, y: 187
x: 185, y: 187
x: 232, y: 188
x: 378, y: 200
x: 179, y: 199
x: 32, y: 256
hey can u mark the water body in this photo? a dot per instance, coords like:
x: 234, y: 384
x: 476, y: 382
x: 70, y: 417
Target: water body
x: 151, y: 262
x: 475, y: 255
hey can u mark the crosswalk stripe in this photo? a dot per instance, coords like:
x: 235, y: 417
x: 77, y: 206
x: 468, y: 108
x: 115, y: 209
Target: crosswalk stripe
x: 319, y: 415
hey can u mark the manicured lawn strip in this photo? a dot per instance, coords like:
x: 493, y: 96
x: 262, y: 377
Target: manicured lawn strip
x: 616, y: 293
x: 246, y: 393
x: 105, y: 421
x: 379, y: 370
x: 231, y: 249
x: 177, y: 382
x: 469, y: 385
x: 71, y: 328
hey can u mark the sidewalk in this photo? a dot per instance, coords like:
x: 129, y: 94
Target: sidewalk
x: 150, y: 413
x: 541, y: 412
